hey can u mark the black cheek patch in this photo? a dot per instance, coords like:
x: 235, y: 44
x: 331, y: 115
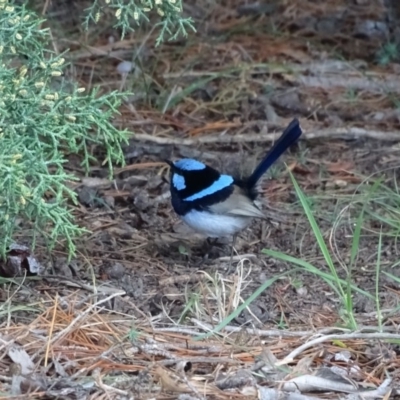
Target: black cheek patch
x: 196, y: 181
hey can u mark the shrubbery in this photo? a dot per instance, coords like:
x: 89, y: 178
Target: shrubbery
x: 44, y: 117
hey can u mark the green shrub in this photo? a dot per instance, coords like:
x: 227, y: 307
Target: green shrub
x: 130, y: 13
x: 43, y: 117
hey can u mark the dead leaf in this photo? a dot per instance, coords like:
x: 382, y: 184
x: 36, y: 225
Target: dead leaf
x: 171, y: 383
x: 18, y: 260
x: 20, y: 357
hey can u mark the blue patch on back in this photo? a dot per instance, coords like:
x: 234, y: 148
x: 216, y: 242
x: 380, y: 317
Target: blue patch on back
x: 179, y: 182
x: 188, y: 164
x: 221, y: 183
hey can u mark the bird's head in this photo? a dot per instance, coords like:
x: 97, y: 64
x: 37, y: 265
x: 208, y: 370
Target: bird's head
x: 192, y: 180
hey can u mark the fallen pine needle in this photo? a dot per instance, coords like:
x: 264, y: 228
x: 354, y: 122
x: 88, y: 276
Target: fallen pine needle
x: 51, y: 330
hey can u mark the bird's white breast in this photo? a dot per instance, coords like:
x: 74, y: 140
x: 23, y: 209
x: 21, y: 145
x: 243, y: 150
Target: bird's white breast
x: 215, y: 225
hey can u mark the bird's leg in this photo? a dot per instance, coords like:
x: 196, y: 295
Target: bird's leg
x: 207, y: 247
x: 233, y: 246
x: 209, y: 244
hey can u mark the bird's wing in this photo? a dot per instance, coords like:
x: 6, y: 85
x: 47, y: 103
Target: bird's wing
x: 237, y: 204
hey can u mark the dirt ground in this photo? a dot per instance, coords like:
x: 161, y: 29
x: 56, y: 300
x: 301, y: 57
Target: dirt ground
x: 220, y: 96
x: 260, y: 82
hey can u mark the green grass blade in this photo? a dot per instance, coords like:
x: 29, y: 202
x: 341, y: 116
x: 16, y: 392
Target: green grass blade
x: 328, y: 278
x: 359, y: 224
x: 317, y: 234
x: 238, y: 310
x: 378, y: 271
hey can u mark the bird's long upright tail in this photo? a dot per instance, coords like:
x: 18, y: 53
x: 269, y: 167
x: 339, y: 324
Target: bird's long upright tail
x: 289, y: 136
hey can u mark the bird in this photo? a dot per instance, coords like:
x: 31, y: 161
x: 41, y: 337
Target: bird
x: 219, y: 205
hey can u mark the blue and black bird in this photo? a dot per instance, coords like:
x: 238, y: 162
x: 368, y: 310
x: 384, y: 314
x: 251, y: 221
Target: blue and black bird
x: 218, y: 205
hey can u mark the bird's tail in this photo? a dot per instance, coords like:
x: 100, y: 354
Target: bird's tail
x: 289, y: 136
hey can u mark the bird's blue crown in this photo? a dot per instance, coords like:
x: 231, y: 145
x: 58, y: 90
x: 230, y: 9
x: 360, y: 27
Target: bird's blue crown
x: 188, y: 164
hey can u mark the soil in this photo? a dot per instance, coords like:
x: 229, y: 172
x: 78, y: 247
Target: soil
x: 319, y: 62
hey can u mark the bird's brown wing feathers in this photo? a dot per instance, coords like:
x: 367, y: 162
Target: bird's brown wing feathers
x: 237, y: 204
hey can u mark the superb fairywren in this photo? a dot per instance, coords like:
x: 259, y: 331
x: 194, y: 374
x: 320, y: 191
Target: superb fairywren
x: 216, y: 204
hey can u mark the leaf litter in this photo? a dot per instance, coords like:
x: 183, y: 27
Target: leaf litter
x: 122, y: 320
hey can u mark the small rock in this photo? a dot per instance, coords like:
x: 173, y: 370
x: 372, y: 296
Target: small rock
x: 117, y: 271
x: 302, y: 291
x: 95, y: 182
x: 378, y: 116
x: 289, y: 100
x: 340, y: 183
x: 141, y: 200
x: 263, y: 277
x: 124, y: 67
x: 87, y: 196
x: 62, y: 267
x: 271, y: 115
